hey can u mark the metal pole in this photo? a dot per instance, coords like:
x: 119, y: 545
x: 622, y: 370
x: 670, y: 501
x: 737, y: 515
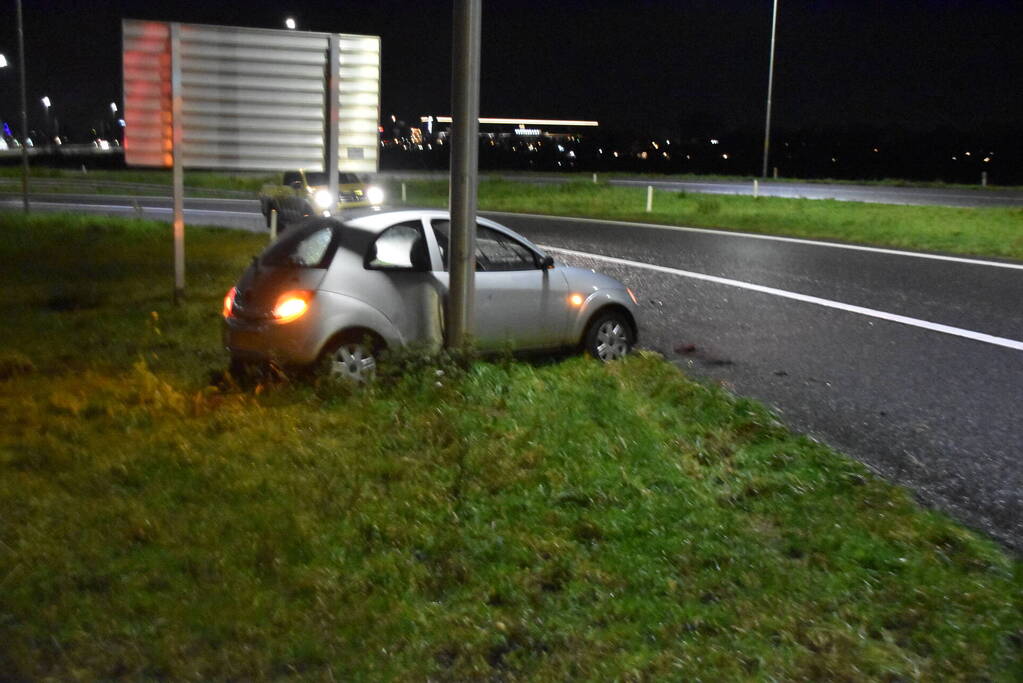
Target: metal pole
x: 331, y: 159
x: 770, y: 85
x: 179, y: 170
x: 24, y: 111
x: 465, y: 90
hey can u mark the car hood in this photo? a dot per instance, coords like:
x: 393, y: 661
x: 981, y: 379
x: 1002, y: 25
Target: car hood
x: 586, y: 280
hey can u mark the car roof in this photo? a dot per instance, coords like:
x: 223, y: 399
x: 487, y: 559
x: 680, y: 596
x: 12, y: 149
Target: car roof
x: 373, y: 220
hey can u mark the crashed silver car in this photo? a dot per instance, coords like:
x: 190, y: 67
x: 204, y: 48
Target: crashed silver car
x: 342, y: 291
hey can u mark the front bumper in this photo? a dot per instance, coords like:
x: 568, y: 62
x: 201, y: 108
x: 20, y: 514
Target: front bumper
x: 293, y: 343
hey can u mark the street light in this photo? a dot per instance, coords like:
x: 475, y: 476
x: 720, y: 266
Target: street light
x: 113, y: 107
x: 289, y: 23
x: 770, y: 84
x: 3, y: 60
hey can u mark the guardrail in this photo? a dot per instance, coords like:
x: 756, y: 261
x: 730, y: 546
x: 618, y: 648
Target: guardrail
x: 97, y: 186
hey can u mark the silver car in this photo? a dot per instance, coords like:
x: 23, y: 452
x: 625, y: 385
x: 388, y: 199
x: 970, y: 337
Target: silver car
x: 342, y: 291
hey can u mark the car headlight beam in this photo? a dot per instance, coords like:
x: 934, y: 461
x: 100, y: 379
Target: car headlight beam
x: 291, y: 306
x: 323, y: 199
x: 375, y: 195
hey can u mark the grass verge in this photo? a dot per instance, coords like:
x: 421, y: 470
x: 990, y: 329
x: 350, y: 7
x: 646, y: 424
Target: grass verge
x: 492, y: 520
x: 994, y: 232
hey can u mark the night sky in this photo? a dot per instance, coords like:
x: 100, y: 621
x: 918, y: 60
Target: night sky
x: 642, y: 66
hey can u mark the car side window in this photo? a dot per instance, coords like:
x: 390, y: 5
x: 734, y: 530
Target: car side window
x: 495, y: 251
x: 399, y: 247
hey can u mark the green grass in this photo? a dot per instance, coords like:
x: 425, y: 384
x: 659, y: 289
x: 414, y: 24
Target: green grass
x: 991, y: 232
x: 209, y: 181
x: 494, y: 520
x: 994, y: 232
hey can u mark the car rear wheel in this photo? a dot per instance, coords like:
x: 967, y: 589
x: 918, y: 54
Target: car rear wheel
x: 609, y: 336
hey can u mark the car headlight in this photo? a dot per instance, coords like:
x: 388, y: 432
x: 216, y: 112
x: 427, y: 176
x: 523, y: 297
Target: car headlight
x: 375, y: 195
x: 323, y: 199
x: 291, y: 306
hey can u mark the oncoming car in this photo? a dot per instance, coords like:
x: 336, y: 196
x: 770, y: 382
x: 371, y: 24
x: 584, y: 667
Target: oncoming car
x: 305, y: 193
x: 341, y: 291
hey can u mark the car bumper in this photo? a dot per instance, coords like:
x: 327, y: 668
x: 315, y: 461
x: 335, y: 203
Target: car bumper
x: 294, y: 343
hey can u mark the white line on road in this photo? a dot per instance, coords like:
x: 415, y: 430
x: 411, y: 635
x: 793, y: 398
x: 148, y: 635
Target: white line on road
x: 860, y: 310
x: 773, y: 238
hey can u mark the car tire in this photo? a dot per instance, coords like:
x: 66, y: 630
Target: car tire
x: 609, y: 336
x: 352, y: 358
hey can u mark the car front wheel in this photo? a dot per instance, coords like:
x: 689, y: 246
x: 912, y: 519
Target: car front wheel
x: 609, y: 336
x: 352, y: 361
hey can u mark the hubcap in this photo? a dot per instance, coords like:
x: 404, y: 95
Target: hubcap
x: 353, y: 362
x: 612, y: 340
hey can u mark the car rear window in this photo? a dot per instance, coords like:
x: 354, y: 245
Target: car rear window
x: 310, y: 246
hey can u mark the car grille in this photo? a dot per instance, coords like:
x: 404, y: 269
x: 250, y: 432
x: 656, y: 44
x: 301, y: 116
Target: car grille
x: 355, y: 196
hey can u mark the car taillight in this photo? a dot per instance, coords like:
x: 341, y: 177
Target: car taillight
x: 229, y: 302
x: 291, y: 306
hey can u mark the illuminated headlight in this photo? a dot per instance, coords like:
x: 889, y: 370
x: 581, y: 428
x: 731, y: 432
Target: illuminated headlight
x: 291, y: 306
x: 323, y: 199
x: 375, y: 195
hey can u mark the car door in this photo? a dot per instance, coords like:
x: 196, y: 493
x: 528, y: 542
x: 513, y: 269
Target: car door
x: 518, y: 303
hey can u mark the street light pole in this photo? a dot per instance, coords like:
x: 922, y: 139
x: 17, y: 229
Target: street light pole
x: 465, y: 111
x: 770, y: 85
x: 24, y: 111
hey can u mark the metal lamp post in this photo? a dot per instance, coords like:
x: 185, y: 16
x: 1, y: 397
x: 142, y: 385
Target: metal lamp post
x: 24, y: 111
x: 770, y: 85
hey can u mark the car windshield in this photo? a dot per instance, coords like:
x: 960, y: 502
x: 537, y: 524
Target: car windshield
x: 314, y: 178
x: 310, y: 246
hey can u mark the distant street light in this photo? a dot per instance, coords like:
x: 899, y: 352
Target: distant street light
x: 3, y: 60
x: 46, y: 102
x: 113, y: 107
x: 289, y: 23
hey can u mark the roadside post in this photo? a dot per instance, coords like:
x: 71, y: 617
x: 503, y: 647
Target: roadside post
x: 649, y: 198
x: 465, y: 89
x: 196, y: 96
x: 983, y: 178
x: 756, y: 188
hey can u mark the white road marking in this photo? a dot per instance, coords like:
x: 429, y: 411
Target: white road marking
x: 774, y: 238
x: 828, y: 303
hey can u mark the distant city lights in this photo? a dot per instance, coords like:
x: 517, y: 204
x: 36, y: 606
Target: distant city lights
x: 525, y: 122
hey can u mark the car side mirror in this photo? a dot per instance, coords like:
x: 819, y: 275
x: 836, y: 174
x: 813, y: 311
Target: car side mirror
x: 547, y: 262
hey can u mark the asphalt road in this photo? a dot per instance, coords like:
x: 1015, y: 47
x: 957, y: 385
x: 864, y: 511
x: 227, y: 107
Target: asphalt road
x: 911, y: 363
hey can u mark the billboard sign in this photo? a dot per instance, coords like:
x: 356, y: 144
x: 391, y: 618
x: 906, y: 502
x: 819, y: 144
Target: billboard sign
x: 249, y: 98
